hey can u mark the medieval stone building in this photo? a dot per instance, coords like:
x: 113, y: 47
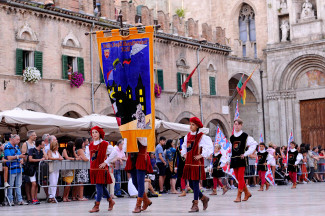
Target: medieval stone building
x: 282, y: 40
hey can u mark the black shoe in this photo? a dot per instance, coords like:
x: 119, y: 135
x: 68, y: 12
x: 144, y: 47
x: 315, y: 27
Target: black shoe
x: 152, y: 195
x: 29, y: 202
x: 163, y: 192
x: 119, y: 196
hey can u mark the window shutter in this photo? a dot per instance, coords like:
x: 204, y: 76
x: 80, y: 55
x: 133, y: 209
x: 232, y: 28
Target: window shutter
x: 212, y: 82
x: 38, y: 61
x: 179, y: 84
x: 19, y: 62
x: 81, y: 66
x: 64, y: 67
x: 160, y: 75
x: 101, y: 75
x: 190, y: 81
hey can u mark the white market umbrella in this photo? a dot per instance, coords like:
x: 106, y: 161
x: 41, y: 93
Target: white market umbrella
x: 20, y: 121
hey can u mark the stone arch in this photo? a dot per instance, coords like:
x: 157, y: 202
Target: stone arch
x: 216, y: 118
x: 183, y: 115
x: 71, y: 38
x: 237, y: 7
x: 31, y: 105
x: 107, y: 111
x: 211, y: 67
x: 298, y: 65
x: 161, y: 115
x: 26, y: 29
x: 182, y: 64
x: 72, y: 107
x: 72, y: 114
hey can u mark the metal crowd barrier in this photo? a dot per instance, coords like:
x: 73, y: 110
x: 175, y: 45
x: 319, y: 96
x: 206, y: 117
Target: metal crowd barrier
x: 47, y: 166
x: 3, y: 164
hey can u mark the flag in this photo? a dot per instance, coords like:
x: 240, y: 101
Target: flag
x: 127, y: 67
x: 241, y: 87
x: 236, y: 116
x: 261, y: 138
x: 288, y: 147
x: 225, y: 151
x: 184, y: 85
x: 269, y: 175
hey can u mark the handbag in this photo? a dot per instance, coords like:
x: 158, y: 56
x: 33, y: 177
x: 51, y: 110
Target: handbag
x: 29, y: 168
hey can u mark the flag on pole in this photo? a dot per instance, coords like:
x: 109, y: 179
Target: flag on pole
x: 241, y: 87
x: 261, y: 138
x: 288, y: 147
x: 184, y: 85
x: 269, y: 175
x: 236, y: 116
x: 225, y: 151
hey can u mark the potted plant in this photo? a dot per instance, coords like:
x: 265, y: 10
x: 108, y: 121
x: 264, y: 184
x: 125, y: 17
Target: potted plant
x: 31, y: 75
x: 157, y: 90
x: 76, y: 80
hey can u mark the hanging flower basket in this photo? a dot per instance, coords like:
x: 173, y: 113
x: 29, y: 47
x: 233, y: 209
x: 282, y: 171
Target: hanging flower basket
x: 76, y: 80
x: 31, y: 75
x: 157, y: 90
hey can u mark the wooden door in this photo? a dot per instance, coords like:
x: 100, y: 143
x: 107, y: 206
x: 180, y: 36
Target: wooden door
x: 312, y: 115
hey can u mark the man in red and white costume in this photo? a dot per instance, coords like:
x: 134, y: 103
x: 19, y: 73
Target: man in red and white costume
x: 195, y: 148
x: 138, y: 165
x: 99, y: 173
x: 240, y: 142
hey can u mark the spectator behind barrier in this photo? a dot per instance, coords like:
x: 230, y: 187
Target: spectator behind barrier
x: 53, y: 154
x: 12, y: 152
x: 36, y: 155
x: 81, y: 174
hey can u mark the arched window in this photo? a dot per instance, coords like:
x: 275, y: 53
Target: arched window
x: 247, y: 30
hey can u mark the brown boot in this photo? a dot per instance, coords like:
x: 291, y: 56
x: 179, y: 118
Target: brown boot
x: 267, y: 185
x: 247, y: 194
x: 205, y: 201
x: 146, y: 202
x: 261, y: 188
x: 111, y: 203
x: 214, y: 192
x: 195, y: 206
x: 224, y: 190
x: 238, y: 198
x: 95, y: 208
x: 294, y: 186
x: 137, y: 208
x: 183, y: 194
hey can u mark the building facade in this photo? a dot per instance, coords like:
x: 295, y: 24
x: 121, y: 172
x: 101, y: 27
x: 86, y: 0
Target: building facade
x: 52, y: 38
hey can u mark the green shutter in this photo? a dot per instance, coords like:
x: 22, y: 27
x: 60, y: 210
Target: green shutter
x: 212, y: 82
x: 179, y: 84
x: 64, y: 67
x: 81, y: 66
x: 190, y: 81
x: 160, y: 75
x: 101, y: 75
x: 38, y: 61
x: 19, y: 62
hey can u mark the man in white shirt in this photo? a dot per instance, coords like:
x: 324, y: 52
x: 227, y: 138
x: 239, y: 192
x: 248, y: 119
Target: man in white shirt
x: 45, y: 139
x: 240, y: 141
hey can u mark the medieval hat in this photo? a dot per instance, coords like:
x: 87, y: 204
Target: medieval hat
x: 196, y: 121
x: 100, y: 131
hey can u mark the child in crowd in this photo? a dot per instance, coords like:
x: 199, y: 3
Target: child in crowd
x: 293, y: 160
x: 218, y: 161
x: 263, y: 159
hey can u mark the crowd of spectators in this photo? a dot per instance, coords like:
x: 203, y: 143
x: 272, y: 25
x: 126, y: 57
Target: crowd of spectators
x: 20, y: 163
